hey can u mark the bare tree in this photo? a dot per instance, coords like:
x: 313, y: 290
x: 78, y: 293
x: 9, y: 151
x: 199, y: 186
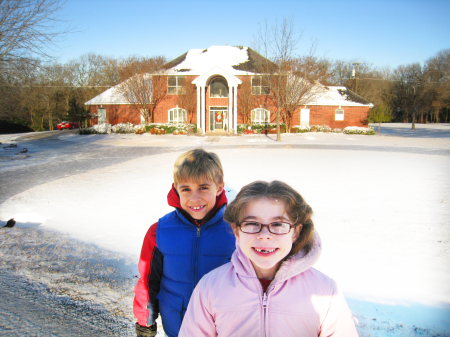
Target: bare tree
x: 437, y: 72
x: 146, y: 88
x: 187, y: 100
x: 28, y: 28
x: 277, y: 43
x: 293, y: 79
x: 245, y: 100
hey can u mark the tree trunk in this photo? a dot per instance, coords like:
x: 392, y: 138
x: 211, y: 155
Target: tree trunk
x: 50, y: 120
x: 278, y: 127
x: 379, y: 127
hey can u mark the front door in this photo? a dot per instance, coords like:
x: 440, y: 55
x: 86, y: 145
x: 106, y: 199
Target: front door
x: 218, y: 118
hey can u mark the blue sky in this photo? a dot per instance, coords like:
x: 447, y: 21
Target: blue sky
x: 383, y: 33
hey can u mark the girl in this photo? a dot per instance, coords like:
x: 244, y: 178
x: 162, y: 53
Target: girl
x: 269, y: 288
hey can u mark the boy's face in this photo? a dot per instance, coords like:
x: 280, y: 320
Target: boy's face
x: 198, y: 198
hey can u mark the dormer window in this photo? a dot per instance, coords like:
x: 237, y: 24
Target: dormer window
x: 218, y: 88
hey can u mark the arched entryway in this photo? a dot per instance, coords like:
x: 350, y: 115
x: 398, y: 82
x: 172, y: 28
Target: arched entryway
x: 217, y: 100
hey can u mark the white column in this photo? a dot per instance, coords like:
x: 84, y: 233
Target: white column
x: 235, y: 108
x: 202, y: 111
x: 230, y: 104
x: 198, y: 105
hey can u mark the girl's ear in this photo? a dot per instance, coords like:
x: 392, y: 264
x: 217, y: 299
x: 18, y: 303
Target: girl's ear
x: 297, y: 231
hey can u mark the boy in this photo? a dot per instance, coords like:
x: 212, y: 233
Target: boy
x: 183, y: 245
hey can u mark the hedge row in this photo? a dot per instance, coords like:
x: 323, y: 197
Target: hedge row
x: 272, y: 128
x: 175, y: 129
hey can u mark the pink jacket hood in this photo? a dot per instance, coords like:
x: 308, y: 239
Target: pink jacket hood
x: 300, y: 301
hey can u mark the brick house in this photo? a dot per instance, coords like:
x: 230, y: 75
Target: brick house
x: 221, y: 75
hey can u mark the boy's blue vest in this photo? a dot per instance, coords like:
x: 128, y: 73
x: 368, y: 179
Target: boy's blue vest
x: 189, y: 252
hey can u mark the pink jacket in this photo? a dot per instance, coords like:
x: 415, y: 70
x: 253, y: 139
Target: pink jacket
x: 300, y: 301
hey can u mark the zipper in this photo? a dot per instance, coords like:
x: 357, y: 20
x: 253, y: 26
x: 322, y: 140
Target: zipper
x: 196, y: 259
x: 264, y: 305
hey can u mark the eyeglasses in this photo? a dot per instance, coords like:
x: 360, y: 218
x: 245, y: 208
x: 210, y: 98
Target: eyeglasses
x: 253, y: 227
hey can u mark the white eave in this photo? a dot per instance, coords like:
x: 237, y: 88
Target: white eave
x: 215, y: 71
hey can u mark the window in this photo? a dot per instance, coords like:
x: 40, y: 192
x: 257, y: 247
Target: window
x: 177, y: 116
x: 175, y: 84
x: 260, y: 85
x: 144, y: 116
x: 339, y: 115
x: 260, y: 116
x: 101, y: 116
x: 218, y: 88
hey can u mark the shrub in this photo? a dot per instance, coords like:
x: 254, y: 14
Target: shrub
x: 170, y: 128
x: 158, y: 129
x: 260, y: 128
x: 356, y: 130
x: 300, y: 128
x: 139, y: 130
x: 320, y: 128
x: 123, y: 128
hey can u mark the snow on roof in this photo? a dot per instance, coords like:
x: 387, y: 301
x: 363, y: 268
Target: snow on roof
x: 110, y: 96
x: 230, y: 59
x: 338, y: 95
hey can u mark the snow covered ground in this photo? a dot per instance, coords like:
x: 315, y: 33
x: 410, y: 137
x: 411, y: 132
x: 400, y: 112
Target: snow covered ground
x: 382, y: 208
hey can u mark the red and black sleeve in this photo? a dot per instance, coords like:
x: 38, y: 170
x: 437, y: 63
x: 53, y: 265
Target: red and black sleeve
x: 146, y: 305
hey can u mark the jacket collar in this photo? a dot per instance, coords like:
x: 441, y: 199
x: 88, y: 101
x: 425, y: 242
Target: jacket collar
x: 294, y: 265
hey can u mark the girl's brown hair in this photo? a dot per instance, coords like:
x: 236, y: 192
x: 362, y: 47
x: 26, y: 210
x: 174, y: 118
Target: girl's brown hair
x: 297, y: 209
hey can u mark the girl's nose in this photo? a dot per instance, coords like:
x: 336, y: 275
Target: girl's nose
x: 265, y: 233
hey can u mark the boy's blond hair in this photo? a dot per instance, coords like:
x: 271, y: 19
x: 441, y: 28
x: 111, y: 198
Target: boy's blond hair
x: 196, y: 165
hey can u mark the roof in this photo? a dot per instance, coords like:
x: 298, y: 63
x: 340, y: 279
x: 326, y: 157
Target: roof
x: 110, y: 96
x: 338, y: 95
x: 233, y: 60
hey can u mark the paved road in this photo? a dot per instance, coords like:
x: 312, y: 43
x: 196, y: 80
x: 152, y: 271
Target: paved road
x: 52, y: 158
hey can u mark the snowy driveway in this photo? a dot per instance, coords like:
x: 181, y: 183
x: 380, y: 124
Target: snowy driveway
x: 84, y: 204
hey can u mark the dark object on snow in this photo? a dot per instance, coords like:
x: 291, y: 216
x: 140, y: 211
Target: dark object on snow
x: 10, y: 223
x: 10, y: 146
x: 25, y: 150
x: 146, y: 331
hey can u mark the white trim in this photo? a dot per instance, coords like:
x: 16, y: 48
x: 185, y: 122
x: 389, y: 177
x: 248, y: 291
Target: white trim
x: 235, y: 108
x: 203, y: 111
x: 198, y: 108
x: 203, y: 79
